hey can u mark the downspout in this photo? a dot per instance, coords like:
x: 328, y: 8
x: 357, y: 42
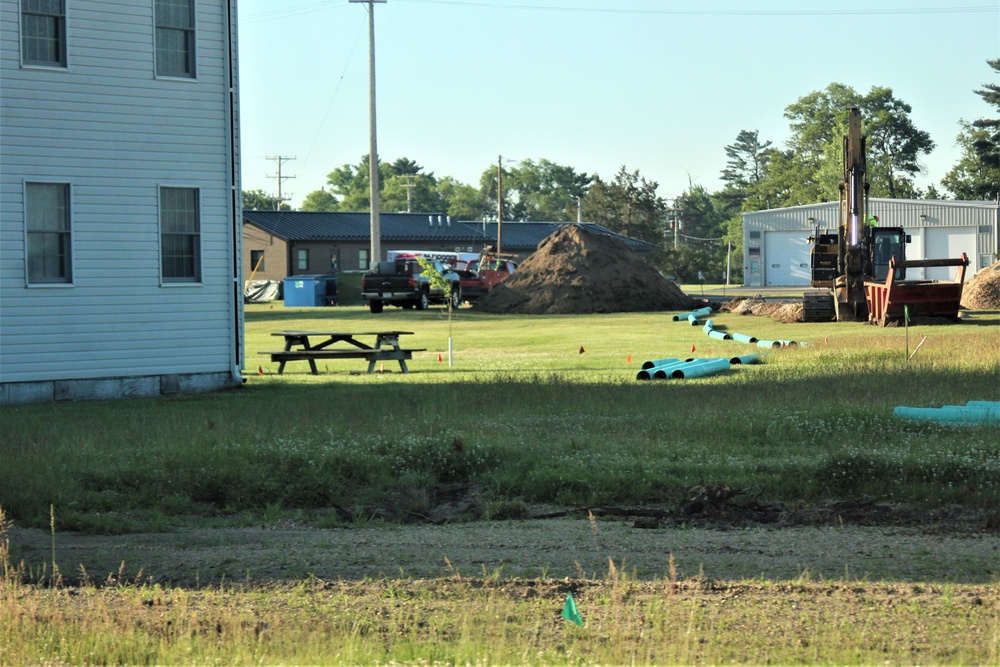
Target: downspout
x: 237, y: 357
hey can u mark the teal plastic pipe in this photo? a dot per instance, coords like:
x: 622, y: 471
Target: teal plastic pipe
x: 983, y: 404
x: 649, y: 372
x: 744, y: 338
x: 744, y: 359
x: 658, y: 362
x: 719, y: 335
x: 951, y: 414
x: 701, y: 312
x: 689, y: 371
x: 786, y: 343
x: 768, y: 343
x: 693, y: 319
x: 666, y: 371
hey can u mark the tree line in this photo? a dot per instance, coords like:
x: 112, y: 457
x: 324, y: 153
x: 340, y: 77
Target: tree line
x: 698, y: 228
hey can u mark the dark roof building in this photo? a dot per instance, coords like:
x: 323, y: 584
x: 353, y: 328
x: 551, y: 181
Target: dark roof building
x: 277, y: 244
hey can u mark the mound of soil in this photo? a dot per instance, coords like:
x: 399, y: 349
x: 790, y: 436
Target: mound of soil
x: 783, y: 311
x: 982, y: 291
x: 574, y: 271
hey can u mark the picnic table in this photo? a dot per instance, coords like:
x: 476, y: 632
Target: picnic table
x: 312, y: 345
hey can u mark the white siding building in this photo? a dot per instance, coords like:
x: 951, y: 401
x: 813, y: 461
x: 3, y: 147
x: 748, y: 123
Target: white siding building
x: 120, y: 225
x: 776, y: 252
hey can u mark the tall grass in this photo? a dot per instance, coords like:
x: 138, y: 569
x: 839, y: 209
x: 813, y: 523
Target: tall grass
x: 494, y: 621
x: 522, y: 415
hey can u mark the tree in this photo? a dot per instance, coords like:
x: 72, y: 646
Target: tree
x: 818, y: 122
x: 258, y: 200
x: 319, y: 200
x: 350, y: 183
x: 628, y: 205
x: 977, y: 173
x: 973, y: 177
x: 463, y: 202
x: 541, y: 191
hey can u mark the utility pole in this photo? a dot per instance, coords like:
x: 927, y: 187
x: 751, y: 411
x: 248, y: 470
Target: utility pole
x: 376, y: 234
x: 409, y: 185
x: 579, y: 209
x: 499, y: 202
x: 280, y: 159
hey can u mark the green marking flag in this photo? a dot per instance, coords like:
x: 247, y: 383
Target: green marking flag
x: 906, y: 313
x: 570, y: 612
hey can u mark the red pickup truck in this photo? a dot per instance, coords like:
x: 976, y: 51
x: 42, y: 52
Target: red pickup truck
x: 478, y: 277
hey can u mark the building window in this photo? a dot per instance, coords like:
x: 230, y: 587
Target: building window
x: 47, y: 221
x: 363, y: 259
x: 180, y: 235
x: 256, y: 261
x: 43, y: 32
x: 303, y: 260
x: 175, y: 38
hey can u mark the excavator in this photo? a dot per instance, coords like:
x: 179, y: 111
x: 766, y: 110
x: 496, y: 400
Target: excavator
x: 862, y: 265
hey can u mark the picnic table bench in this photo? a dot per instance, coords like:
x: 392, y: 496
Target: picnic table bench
x: 299, y: 347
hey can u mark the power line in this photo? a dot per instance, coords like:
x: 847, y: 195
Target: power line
x: 493, y: 4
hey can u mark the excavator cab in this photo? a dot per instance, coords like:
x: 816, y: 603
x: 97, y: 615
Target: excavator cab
x: 888, y: 242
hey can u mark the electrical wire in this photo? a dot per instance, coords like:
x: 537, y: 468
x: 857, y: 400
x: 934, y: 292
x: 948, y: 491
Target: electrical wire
x: 495, y: 4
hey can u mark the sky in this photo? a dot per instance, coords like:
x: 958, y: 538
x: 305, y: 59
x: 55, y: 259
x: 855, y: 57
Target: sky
x: 658, y: 86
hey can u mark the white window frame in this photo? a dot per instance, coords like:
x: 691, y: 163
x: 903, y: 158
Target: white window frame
x: 198, y: 278
x: 192, y: 45
x: 69, y: 260
x: 62, y: 22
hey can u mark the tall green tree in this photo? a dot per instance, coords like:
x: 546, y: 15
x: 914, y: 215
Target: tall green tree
x: 628, y: 204
x: 258, y: 200
x: 973, y: 177
x: 319, y: 200
x: 539, y: 191
x: 463, y: 202
x: 818, y: 122
x: 977, y: 173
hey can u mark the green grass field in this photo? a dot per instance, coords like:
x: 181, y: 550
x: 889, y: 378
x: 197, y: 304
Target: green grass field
x: 523, y: 417
x: 538, y: 421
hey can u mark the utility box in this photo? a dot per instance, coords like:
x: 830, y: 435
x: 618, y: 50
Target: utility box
x: 318, y: 290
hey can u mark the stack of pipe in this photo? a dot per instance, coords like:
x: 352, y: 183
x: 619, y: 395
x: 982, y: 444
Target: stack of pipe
x: 674, y: 368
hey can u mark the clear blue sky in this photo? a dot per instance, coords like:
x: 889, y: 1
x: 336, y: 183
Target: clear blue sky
x: 661, y: 86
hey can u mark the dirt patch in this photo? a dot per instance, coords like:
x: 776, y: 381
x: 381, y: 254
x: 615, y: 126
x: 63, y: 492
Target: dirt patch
x: 783, y: 310
x: 982, y: 291
x: 575, y: 271
x: 716, y: 531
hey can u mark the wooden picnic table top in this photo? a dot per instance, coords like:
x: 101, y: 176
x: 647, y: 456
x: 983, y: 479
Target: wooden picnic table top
x: 295, y: 333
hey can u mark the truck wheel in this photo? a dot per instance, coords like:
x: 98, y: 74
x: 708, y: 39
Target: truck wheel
x: 375, y: 306
x: 423, y: 301
x: 456, y: 297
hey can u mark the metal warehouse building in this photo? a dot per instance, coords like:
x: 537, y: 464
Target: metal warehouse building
x: 776, y: 249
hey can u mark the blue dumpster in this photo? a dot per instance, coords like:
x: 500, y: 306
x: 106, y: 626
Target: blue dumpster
x: 318, y: 290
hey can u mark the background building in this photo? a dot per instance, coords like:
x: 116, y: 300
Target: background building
x: 776, y: 250
x: 119, y: 199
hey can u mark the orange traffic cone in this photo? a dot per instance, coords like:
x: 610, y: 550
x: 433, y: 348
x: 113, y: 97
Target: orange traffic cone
x: 439, y: 358
x: 260, y: 370
x: 692, y: 348
x: 629, y: 360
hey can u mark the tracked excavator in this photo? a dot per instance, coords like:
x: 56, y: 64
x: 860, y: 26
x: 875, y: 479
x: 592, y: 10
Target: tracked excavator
x: 862, y: 265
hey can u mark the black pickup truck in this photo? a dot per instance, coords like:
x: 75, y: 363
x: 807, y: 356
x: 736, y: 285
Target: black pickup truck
x: 401, y: 282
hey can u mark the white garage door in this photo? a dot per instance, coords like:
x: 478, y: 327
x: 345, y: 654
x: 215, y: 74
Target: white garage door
x: 786, y: 258
x: 948, y: 242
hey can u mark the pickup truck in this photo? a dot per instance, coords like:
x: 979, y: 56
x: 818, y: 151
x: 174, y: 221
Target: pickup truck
x: 478, y: 277
x: 400, y: 282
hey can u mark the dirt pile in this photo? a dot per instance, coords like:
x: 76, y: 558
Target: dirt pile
x: 575, y: 271
x: 982, y: 291
x: 783, y: 311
